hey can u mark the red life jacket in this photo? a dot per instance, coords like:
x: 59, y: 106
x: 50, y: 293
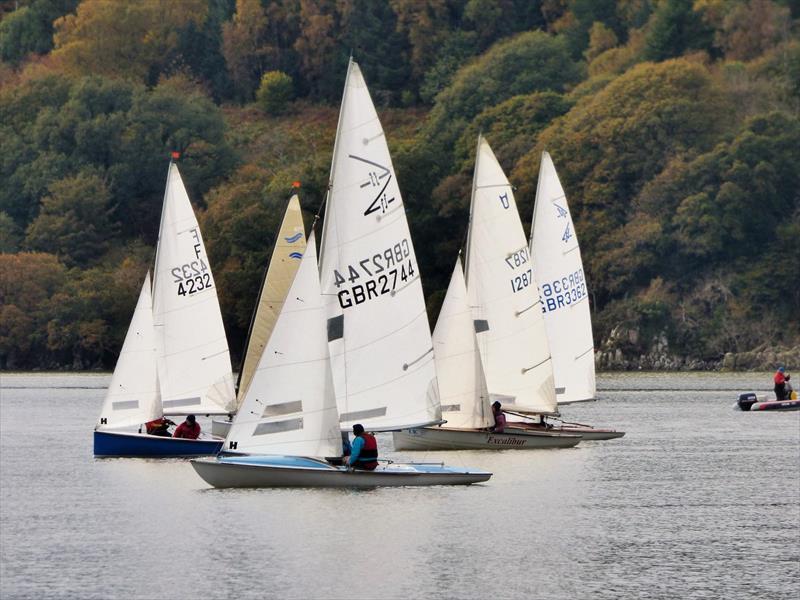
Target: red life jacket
x: 156, y: 424
x: 369, y: 451
x: 779, y: 378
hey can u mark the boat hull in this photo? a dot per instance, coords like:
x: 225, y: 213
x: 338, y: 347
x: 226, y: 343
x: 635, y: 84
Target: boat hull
x: 752, y: 403
x: 441, y: 438
x: 264, y: 471
x: 589, y: 434
x: 116, y: 443
x: 220, y: 427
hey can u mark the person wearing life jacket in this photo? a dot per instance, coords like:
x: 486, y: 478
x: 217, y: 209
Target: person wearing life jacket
x: 499, y: 418
x: 189, y: 429
x: 159, y: 427
x: 364, y: 450
x: 780, y: 383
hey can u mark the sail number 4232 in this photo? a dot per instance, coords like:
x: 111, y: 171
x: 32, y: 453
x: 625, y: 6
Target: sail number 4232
x: 192, y: 277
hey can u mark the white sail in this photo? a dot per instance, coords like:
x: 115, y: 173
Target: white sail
x: 133, y: 397
x: 290, y: 245
x: 562, y: 289
x: 462, y: 385
x: 380, y: 341
x: 194, y: 365
x: 508, y: 318
x: 290, y: 406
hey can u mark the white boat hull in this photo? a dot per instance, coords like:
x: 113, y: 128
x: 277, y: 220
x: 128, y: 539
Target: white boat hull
x: 220, y: 427
x: 441, y: 438
x: 587, y: 432
x: 258, y: 471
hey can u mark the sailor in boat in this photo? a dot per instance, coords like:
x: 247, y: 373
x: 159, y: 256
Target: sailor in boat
x: 499, y: 418
x: 780, y: 383
x: 159, y: 427
x: 364, y: 450
x: 189, y: 429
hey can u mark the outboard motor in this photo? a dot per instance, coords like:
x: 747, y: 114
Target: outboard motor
x: 747, y: 400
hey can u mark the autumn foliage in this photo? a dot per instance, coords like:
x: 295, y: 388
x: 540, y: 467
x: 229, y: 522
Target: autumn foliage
x: 674, y: 125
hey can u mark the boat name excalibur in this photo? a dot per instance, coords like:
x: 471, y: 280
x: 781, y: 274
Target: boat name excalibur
x: 505, y: 441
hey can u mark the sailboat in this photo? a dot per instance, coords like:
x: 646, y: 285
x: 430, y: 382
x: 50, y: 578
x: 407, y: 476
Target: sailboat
x: 565, y: 300
x: 175, y: 358
x: 290, y: 245
x: 352, y: 343
x: 490, y: 341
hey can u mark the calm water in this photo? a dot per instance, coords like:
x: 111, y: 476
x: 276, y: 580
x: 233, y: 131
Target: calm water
x: 697, y: 501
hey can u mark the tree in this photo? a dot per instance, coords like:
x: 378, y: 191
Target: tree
x: 275, y: 92
x: 74, y: 221
x: 27, y: 283
x: 526, y: 63
x: 674, y: 28
x: 610, y: 144
x: 29, y: 29
x: 129, y: 40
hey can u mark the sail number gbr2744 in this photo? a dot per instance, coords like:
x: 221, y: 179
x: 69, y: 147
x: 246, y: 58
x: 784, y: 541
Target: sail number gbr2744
x: 374, y: 276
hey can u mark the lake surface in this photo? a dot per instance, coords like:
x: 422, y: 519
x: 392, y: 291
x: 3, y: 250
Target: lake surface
x: 696, y: 501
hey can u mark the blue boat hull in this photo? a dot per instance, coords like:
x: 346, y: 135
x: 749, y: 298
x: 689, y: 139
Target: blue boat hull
x: 115, y: 443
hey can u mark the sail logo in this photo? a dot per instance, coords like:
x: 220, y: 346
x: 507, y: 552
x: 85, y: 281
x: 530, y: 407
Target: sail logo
x: 293, y: 238
x: 504, y: 200
x: 567, y: 235
x: 563, y: 213
x: 379, y: 178
x: 297, y: 255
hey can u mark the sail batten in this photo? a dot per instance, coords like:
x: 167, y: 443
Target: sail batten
x: 562, y: 286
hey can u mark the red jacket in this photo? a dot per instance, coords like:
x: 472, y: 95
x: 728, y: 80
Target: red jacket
x: 184, y: 430
x: 779, y: 378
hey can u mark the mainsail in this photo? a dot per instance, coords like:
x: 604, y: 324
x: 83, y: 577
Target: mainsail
x: 133, y: 397
x: 290, y: 245
x: 562, y: 289
x: 380, y: 341
x: 462, y: 384
x: 194, y: 365
x: 290, y: 405
x: 508, y: 316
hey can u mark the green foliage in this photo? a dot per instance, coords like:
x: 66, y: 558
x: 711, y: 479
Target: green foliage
x: 275, y: 92
x: 681, y: 175
x: 610, y: 144
x: 121, y: 130
x: 29, y: 29
x: 674, y: 28
x: 526, y: 63
x: 74, y: 221
x: 10, y: 234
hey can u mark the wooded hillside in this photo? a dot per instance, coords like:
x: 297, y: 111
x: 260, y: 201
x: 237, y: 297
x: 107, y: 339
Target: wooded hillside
x: 674, y: 126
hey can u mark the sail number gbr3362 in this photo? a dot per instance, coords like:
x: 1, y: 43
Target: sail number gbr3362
x: 379, y: 274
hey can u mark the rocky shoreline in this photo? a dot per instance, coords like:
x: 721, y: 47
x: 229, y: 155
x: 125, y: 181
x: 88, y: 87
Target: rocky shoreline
x: 622, y: 351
